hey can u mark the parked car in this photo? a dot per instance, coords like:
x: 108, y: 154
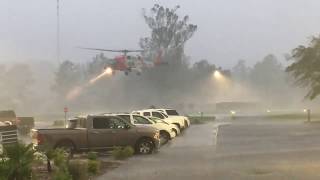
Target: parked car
x: 167, y: 131
x: 98, y: 132
x: 179, y: 121
x: 24, y: 124
x: 174, y: 113
x: 8, y: 117
x: 158, y: 120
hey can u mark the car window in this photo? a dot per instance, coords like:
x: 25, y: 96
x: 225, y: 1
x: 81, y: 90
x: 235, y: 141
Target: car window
x: 108, y: 123
x: 166, y: 116
x: 146, y: 114
x: 153, y: 119
x: 118, y: 123
x: 172, y: 112
x: 158, y: 115
x: 125, y: 117
x: 140, y: 120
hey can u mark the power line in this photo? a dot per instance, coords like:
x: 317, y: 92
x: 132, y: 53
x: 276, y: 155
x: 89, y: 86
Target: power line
x: 58, y: 32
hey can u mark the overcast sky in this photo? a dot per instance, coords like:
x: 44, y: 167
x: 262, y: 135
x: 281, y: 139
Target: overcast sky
x: 228, y: 30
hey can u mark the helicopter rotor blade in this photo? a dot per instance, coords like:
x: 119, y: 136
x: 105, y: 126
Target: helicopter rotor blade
x: 111, y: 50
x: 98, y: 49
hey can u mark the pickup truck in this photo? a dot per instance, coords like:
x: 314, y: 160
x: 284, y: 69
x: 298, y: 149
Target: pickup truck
x: 174, y: 114
x: 180, y: 121
x: 98, y: 132
x: 167, y: 131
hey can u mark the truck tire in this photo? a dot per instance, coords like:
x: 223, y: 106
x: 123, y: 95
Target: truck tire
x: 164, y: 137
x: 144, y: 146
x: 68, y: 146
x: 186, y: 124
x: 178, y: 125
x: 175, y: 132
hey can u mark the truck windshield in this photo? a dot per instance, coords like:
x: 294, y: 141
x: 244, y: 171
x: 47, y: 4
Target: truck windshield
x: 158, y: 115
x: 172, y: 112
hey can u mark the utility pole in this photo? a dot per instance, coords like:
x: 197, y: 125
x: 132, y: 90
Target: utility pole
x: 58, y: 33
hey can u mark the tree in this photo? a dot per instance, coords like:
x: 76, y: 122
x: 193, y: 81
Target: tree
x: 241, y: 71
x: 17, y: 82
x: 305, y: 68
x: 203, y: 66
x: 169, y: 33
x: 67, y: 77
x: 268, y: 77
x: 95, y: 66
x: 267, y: 72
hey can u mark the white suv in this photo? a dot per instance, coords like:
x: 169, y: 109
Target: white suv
x: 167, y: 131
x: 174, y: 113
x: 180, y: 122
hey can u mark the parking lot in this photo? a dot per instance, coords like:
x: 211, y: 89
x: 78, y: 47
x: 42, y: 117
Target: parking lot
x: 232, y: 149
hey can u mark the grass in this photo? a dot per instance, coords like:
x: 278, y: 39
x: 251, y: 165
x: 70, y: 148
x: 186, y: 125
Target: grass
x: 201, y: 120
x: 121, y: 153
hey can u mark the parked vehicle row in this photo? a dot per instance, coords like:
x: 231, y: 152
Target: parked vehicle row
x: 167, y: 131
x: 169, y: 115
x: 108, y: 130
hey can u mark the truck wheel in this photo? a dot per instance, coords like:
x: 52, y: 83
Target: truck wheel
x: 178, y: 125
x: 175, y: 132
x: 144, y: 146
x: 186, y: 124
x: 164, y: 137
x: 68, y: 147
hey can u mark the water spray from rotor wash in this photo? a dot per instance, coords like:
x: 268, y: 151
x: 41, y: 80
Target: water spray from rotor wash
x: 76, y: 91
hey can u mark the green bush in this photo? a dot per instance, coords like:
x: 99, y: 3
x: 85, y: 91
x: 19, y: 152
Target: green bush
x: 61, y: 175
x: 92, y: 156
x: 128, y: 151
x: 122, y: 153
x: 201, y: 120
x: 60, y: 160
x: 16, y: 162
x: 79, y: 169
x: 93, y: 167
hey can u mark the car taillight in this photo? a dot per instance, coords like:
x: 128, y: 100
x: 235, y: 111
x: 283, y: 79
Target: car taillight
x: 38, y: 138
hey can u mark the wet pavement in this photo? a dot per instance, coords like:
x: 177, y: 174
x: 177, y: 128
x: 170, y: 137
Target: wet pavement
x: 226, y: 149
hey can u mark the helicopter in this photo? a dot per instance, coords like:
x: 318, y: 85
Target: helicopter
x: 128, y: 63
x: 124, y: 62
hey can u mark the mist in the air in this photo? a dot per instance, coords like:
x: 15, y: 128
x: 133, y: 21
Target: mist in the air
x: 244, y: 46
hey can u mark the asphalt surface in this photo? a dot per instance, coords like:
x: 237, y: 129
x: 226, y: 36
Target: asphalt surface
x: 232, y: 149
